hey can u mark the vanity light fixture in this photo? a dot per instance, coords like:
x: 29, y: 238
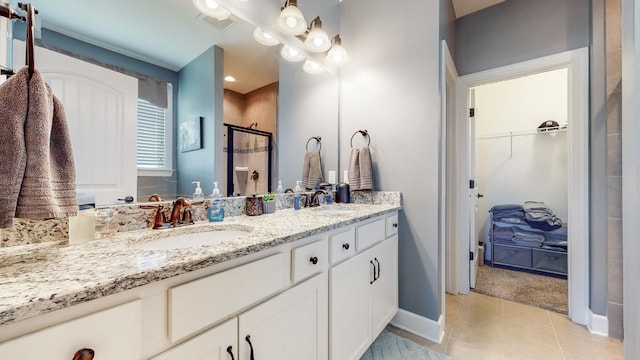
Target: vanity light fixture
x: 212, y: 8
x: 292, y: 54
x: 291, y: 21
x: 338, y: 54
x: 317, y: 39
x: 264, y: 38
x: 312, y: 67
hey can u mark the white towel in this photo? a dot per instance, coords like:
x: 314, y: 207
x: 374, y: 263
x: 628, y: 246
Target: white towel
x: 312, y: 170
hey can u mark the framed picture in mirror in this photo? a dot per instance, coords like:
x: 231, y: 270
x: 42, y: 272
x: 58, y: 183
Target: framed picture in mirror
x: 190, y: 134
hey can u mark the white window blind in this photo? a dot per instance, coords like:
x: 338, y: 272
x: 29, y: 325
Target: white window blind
x: 151, y: 136
x: 155, y: 137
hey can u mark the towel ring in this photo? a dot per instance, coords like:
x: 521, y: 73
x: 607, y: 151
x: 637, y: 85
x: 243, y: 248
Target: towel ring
x: 364, y: 133
x: 318, y: 139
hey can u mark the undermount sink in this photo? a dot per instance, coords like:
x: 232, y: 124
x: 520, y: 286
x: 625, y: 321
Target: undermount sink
x: 331, y: 211
x: 190, y: 240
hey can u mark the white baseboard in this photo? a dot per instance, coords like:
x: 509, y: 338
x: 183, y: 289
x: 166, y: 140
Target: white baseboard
x: 420, y: 325
x: 598, y: 324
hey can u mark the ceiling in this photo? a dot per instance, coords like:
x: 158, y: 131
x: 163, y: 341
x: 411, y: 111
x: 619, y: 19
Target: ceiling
x: 465, y: 7
x: 168, y: 33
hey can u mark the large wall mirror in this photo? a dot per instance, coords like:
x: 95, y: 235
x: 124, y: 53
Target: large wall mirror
x: 161, y: 38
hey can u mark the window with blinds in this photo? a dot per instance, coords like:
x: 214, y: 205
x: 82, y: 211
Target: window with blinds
x: 154, y: 142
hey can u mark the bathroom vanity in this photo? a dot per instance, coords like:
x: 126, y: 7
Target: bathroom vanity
x: 308, y: 284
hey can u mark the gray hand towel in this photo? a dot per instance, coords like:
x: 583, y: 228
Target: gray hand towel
x: 39, y: 180
x: 366, y: 169
x: 354, y: 169
x: 312, y: 170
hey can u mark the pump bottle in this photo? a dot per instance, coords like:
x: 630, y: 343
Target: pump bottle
x: 216, y: 211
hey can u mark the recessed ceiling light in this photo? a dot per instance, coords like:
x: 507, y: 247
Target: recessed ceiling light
x: 229, y: 78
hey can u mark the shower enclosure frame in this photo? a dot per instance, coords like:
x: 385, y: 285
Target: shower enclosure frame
x: 231, y: 129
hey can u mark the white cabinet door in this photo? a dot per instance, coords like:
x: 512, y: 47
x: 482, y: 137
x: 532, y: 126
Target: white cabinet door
x: 219, y: 343
x: 114, y: 333
x: 292, y: 325
x: 385, y: 288
x: 101, y: 109
x: 350, y: 308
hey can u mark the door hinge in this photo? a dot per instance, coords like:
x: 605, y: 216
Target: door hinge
x: 470, y: 255
x: 472, y: 184
x: 472, y: 112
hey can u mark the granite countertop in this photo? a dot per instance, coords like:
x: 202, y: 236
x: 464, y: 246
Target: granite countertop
x: 40, y: 278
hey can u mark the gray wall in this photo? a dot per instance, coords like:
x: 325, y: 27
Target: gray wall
x: 390, y: 87
x: 199, y: 95
x: 518, y: 30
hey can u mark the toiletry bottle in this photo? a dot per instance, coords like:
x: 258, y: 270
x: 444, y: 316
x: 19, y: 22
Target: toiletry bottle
x: 329, y: 198
x: 297, y: 196
x: 216, y: 212
x: 279, y: 189
x: 197, y: 194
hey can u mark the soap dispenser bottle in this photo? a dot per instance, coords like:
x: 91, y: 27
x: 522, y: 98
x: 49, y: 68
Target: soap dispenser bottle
x: 279, y: 189
x: 216, y: 212
x: 197, y: 194
x: 297, y: 196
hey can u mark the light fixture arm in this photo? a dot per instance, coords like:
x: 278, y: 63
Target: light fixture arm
x: 289, y: 3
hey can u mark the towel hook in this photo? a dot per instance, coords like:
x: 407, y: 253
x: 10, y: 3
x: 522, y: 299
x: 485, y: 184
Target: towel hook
x: 363, y: 132
x: 31, y: 14
x: 318, y: 139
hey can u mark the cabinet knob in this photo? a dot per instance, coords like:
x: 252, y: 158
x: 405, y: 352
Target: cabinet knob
x: 84, y: 354
x: 395, y: 225
x: 345, y: 246
x: 314, y: 260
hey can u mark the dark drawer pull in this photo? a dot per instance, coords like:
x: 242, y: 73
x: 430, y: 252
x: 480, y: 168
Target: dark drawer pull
x: 345, y: 246
x: 395, y: 225
x: 230, y: 351
x: 248, y: 339
x: 84, y: 354
x: 314, y: 260
x: 374, y: 272
x: 377, y: 262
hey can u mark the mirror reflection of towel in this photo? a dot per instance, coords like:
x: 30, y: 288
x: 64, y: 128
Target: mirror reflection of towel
x: 312, y: 170
x: 360, y: 169
x: 37, y: 171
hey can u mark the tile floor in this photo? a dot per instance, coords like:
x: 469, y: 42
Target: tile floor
x: 482, y: 327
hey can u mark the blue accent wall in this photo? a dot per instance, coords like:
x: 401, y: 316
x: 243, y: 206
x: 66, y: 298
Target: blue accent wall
x: 200, y: 96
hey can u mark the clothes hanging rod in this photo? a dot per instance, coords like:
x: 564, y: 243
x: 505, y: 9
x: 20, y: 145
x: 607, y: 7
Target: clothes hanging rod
x: 7, y: 12
x: 520, y: 133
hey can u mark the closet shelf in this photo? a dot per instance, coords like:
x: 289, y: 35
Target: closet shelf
x: 520, y: 133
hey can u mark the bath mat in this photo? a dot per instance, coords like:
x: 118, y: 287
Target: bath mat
x: 525, y: 288
x: 389, y: 346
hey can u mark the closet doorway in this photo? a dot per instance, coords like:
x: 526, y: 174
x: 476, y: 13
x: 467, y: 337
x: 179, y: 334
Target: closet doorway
x: 520, y: 155
x: 577, y: 72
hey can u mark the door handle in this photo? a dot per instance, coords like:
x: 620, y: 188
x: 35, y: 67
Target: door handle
x: 248, y: 339
x: 230, y: 351
x: 377, y: 262
x: 374, y: 272
x: 479, y: 196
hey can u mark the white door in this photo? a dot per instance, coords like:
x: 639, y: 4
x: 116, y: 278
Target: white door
x: 385, y: 288
x: 350, y: 307
x: 473, y: 191
x: 292, y: 325
x: 219, y: 343
x: 101, y: 109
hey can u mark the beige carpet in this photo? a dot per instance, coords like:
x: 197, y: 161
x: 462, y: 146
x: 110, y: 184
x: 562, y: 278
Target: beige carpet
x: 525, y: 288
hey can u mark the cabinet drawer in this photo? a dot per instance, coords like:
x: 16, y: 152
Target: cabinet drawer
x: 550, y: 261
x: 370, y: 234
x: 392, y: 225
x: 213, y: 344
x: 200, y: 303
x: 114, y: 333
x: 511, y: 255
x: 342, y: 245
x: 309, y: 259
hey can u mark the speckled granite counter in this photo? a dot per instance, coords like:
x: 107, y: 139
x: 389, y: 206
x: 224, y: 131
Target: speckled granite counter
x: 39, y: 278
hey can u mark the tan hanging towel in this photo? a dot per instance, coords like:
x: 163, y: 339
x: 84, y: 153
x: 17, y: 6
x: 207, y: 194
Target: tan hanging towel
x: 312, y: 170
x: 37, y: 171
